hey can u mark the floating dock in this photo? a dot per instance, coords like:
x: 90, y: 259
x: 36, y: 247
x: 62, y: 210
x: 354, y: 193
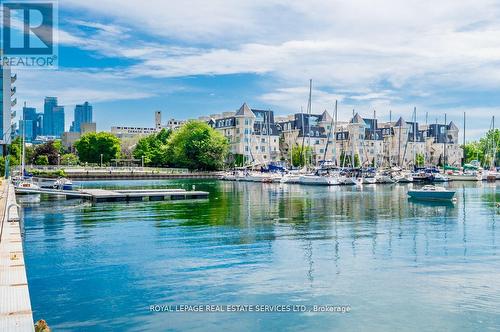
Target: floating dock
x: 15, y: 304
x: 104, y: 195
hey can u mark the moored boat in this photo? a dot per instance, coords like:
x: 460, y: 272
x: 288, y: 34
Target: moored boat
x: 432, y: 193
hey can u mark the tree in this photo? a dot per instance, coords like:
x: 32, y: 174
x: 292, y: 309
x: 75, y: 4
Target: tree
x: 419, y: 160
x: 196, y: 145
x: 42, y: 160
x: 69, y: 159
x: 91, y: 146
x: 50, y: 149
x: 154, y: 149
x: 300, y: 155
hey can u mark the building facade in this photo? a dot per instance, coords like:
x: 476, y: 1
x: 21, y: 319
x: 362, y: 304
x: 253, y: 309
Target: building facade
x: 53, y: 117
x: 7, y: 101
x: 259, y: 138
x: 83, y: 114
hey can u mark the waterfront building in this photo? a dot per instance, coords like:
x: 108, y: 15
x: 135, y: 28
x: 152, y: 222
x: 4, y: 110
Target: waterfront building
x: 69, y: 138
x: 125, y: 131
x: 7, y: 101
x: 28, y: 123
x: 252, y: 134
x: 83, y: 114
x: 53, y: 117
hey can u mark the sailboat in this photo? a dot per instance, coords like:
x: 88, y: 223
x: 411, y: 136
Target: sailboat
x: 492, y: 174
x: 24, y: 181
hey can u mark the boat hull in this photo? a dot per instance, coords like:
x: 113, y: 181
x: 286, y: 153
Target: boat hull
x: 431, y: 195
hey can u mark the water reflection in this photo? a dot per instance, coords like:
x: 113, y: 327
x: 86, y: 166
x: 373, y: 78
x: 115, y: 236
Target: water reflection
x: 370, y: 247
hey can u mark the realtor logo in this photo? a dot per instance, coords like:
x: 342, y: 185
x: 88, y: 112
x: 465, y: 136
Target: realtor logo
x: 28, y: 34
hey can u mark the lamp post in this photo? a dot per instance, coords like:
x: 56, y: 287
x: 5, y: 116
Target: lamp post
x: 142, y: 161
x: 58, y: 159
x: 101, y: 159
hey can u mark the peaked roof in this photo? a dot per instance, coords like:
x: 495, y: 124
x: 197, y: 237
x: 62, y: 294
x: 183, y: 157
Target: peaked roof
x: 400, y: 122
x: 325, y: 116
x: 357, y: 119
x: 245, y: 111
x: 452, y: 126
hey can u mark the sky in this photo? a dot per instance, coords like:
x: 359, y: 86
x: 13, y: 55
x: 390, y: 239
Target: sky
x: 196, y: 57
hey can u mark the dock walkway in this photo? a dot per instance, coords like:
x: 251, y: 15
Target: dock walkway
x: 125, y: 195
x: 15, y: 304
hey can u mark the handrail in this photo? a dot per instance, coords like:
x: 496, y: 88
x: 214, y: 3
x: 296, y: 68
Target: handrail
x: 18, y: 210
x: 6, y: 196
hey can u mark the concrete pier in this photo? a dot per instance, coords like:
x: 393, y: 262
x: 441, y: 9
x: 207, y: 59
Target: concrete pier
x: 15, y: 304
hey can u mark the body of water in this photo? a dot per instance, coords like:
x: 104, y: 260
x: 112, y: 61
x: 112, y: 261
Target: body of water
x: 397, y: 265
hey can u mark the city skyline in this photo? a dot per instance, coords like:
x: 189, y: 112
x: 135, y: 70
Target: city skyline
x: 125, y: 61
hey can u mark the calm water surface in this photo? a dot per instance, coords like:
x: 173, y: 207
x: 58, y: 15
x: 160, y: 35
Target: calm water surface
x: 400, y: 265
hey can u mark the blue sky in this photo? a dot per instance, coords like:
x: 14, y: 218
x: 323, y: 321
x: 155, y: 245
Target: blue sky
x: 193, y: 58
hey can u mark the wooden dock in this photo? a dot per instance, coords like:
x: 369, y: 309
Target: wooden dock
x: 125, y: 195
x: 15, y: 304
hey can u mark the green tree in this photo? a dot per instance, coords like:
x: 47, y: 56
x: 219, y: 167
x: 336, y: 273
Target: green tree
x: 301, y: 155
x: 419, y: 159
x: 69, y: 159
x: 42, y: 160
x: 154, y: 149
x: 196, y: 145
x: 91, y: 146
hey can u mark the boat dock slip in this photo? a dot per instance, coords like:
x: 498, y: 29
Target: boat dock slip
x: 101, y: 195
x: 104, y: 195
x: 15, y: 304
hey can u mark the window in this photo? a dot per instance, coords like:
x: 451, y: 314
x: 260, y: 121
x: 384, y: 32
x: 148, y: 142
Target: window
x: 263, y: 148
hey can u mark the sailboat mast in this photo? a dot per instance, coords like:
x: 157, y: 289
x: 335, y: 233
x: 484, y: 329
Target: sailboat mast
x: 375, y: 139
x: 309, y: 105
x: 335, y: 136
x: 414, y: 136
x: 329, y: 134
x: 390, y: 136
x: 445, y: 140
x: 465, y: 153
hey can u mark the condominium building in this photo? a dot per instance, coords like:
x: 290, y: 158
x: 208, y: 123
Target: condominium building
x: 258, y: 138
x: 7, y: 101
x: 252, y: 134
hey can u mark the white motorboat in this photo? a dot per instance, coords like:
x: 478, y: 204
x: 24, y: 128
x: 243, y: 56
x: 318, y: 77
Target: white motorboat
x: 490, y: 175
x: 290, y: 178
x: 465, y: 176
x: 438, y: 177
x: 384, y: 178
x: 403, y: 177
x: 318, y: 180
x: 367, y: 180
x: 347, y: 180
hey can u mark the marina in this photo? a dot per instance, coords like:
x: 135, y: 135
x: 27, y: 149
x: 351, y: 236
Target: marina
x: 270, y: 244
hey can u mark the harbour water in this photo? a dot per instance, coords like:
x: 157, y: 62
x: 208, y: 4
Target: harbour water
x: 398, y: 265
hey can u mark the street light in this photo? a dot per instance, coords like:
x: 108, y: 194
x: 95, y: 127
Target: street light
x: 58, y: 159
x: 142, y: 161
x: 101, y: 159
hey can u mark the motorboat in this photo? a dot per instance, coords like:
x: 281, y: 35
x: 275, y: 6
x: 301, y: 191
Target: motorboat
x: 318, y: 180
x: 491, y: 175
x: 403, y: 177
x: 464, y: 176
x: 432, y: 193
x: 438, y: 177
x: 384, y: 178
x: 63, y: 184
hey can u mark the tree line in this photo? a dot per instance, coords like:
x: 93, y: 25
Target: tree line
x: 485, y: 150
x: 195, y: 146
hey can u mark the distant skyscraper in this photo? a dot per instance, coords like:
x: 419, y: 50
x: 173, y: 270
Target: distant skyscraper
x: 58, y: 120
x: 83, y: 114
x: 53, y: 117
x: 29, y: 114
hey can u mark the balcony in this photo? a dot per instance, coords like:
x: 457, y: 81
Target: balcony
x: 13, y: 78
x: 12, y: 91
x: 13, y: 103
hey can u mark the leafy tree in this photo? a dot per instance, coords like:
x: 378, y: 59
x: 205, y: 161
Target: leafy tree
x: 91, y: 145
x: 69, y: 159
x: 154, y: 149
x: 42, y: 160
x: 300, y: 156
x: 196, y: 145
x: 345, y: 159
x: 50, y: 149
x: 419, y: 159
